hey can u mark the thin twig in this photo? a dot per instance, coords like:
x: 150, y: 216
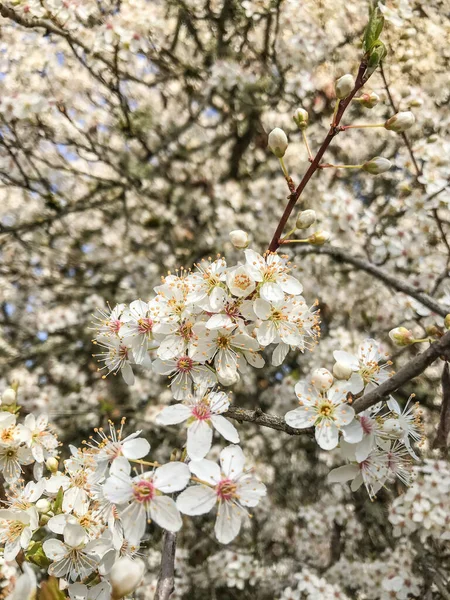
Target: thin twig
x: 166, y: 577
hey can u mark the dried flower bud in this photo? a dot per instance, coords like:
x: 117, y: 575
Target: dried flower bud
x: 377, y: 165
x: 8, y: 397
x: 344, y: 86
x: 301, y: 118
x: 342, y: 371
x: 52, y: 464
x: 369, y: 100
x: 400, y: 122
x: 278, y: 142
x: 322, y: 379
x: 305, y: 219
x: 125, y: 576
x: 401, y: 336
x: 319, y: 238
x: 239, y: 238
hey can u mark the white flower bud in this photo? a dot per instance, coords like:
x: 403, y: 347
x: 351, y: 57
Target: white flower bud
x: 43, y: 505
x: 377, y: 165
x: 8, y: 397
x: 322, y: 379
x: 447, y: 321
x: 369, y: 100
x: 305, y: 219
x: 344, y: 86
x: 125, y: 576
x: 342, y: 371
x: 239, y: 238
x: 400, y: 122
x: 278, y: 142
x: 319, y: 238
x: 301, y: 118
x: 401, y: 336
x: 52, y: 464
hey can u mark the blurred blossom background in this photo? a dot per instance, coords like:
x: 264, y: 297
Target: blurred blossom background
x: 133, y: 139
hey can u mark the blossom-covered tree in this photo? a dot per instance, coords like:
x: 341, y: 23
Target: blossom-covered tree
x: 223, y: 231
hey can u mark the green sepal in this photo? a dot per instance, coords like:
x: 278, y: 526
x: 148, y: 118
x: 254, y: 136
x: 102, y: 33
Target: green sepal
x: 36, y: 555
x: 50, y: 590
x: 57, y: 504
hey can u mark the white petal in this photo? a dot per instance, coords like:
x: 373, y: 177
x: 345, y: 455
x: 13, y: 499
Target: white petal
x: 164, y: 367
x: 279, y: 354
x: 327, y: 435
x: 228, y: 522
x: 271, y: 292
x: 206, y: 470
x: 171, y: 347
x: 232, y: 461
x: 225, y: 428
x: 196, y: 500
x: 136, y: 448
x: 74, y: 535
x: 172, y: 477
x: 266, y: 333
x: 251, y: 491
x: 218, y: 402
x: 199, y: 440
x: 343, y: 414
x: 347, y: 359
x: 364, y: 447
x: 218, y: 298
x: 127, y: 374
x: 353, y: 433
x: 117, y: 491
x: 134, y: 520
x: 219, y: 321
x: 342, y: 474
x: 301, y: 417
x: 172, y: 415
x: 290, y: 285
x: 262, y: 308
x: 54, y: 549
x: 255, y: 359
x: 165, y: 513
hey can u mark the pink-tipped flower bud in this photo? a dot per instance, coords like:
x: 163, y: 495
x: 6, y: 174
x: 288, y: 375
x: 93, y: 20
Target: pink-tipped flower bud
x: 369, y: 100
x: 344, y: 86
x: 305, y: 219
x: 125, y: 576
x: 400, y: 122
x: 278, y: 142
x: 377, y: 165
x: 322, y: 379
x: 401, y: 336
x: 301, y: 118
x: 319, y: 238
x: 239, y: 238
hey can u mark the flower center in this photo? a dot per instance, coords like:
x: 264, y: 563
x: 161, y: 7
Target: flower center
x: 123, y: 353
x: 325, y: 409
x: 15, y: 530
x: 201, y: 411
x: 185, y: 364
x: 185, y: 330
x: 223, y: 342
x: 368, y: 370
x: 143, y: 490
x: 7, y: 435
x: 79, y: 480
x: 366, y: 424
x: 145, y: 325
x: 226, y: 489
x: 242, y: 281
x: 114, y: 326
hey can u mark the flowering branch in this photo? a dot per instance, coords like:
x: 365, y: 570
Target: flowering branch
x: 361, y: 79
x: 390, y: 280
x: 414, y: 368
x: 259, y: 417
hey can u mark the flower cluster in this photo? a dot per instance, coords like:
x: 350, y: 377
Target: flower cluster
x: 84, y: 523
x: 203, y: 326
x: 377, y: 441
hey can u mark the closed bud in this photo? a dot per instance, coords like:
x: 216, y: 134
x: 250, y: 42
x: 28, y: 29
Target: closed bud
x: 393, y: 428
x: 278, y: 142
x: 239, y: 238
x: 125, y: 576
x: 344, y: 86
x: 342, y: 371
x: 377, y: 165
x: 9, y: 397
x: 400, y: 122
x: 369, y: 100
x: 52, y: 464
x: 301, y: 118
x: 447, y: 321
x: 322, y: 379
x: 319, y: 238
x: 401, y: 336
x: 43, y: 505
x: 305, y: 219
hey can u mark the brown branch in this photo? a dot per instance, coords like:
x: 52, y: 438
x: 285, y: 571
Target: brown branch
x: 414, y: 368
x: 391, y: 280
x: 314, y: 166
x: 166, y: 577
x: 259, y: 417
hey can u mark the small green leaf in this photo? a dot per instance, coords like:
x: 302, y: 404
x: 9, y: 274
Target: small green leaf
x: 57, y: 505
x: 36, y: 555
x: 373, y: 30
